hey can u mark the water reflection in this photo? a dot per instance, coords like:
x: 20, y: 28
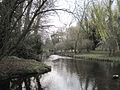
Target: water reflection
x: 23, y: 83
x: 81, y: 75
x: 68, y: 74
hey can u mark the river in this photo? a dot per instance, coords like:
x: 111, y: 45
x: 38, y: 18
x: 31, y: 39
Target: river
x: 70, y: 74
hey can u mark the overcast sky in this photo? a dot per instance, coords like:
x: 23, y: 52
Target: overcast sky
x: 63, y: 18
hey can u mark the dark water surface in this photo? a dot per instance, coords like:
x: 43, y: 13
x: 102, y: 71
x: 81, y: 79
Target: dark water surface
x: 69, y: 74
x: 81, y: 75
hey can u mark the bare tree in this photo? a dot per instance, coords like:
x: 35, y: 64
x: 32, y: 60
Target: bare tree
x: 18, y: 19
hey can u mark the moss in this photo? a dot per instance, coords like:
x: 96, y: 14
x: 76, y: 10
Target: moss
x: 10, y: 68
x: 13, y: 57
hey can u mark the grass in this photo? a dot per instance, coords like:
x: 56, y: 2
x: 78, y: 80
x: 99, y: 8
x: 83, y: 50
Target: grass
x: 96, y: 55
x: 16, y: 67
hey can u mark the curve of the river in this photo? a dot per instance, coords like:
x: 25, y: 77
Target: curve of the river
x: 71, y: 74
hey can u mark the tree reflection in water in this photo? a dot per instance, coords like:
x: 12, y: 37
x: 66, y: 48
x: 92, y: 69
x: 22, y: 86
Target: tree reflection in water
x: 81, y: 75
x: 23, y: 83
x: 97, y: 75
x: 70, y: 75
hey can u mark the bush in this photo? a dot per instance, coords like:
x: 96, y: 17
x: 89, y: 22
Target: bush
x: 30, y: 48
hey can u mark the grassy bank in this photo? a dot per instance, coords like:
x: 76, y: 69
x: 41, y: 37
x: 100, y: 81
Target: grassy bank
x: 11, y: 68
x: 95, y: 55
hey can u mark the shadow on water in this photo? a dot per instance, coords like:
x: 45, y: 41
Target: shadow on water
x: 23, y: 83
x: 97, y: 75
x: 69, y: 74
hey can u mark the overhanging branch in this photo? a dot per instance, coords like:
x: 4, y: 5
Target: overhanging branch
x: 54, y: 10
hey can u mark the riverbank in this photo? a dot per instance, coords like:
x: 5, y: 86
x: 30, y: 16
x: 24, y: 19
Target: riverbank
x: 95, y: 55
x: 16, y: 67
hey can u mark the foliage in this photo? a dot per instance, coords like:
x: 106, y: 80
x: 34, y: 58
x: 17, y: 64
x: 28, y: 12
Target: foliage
x: 18, y: 20
x: 85, y: 44
x: 101, y: 21
x: 74, y: 38
x: 30, y: 48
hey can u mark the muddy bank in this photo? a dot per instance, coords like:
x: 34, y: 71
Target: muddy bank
x: 12, y: 68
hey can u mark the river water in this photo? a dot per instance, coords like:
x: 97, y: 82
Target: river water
x: 69, y: 74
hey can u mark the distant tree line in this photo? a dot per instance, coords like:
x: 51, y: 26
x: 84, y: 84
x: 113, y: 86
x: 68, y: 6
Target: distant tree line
x: 98, y: 27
